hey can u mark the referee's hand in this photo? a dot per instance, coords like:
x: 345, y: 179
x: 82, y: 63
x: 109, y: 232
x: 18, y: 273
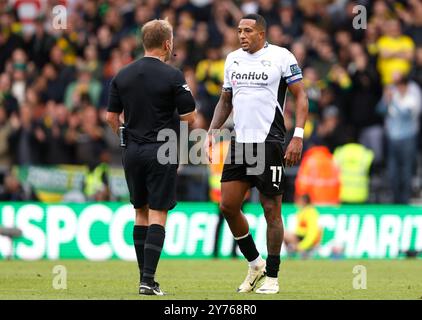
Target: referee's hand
x: 208, y: 146
x: 294, y: 151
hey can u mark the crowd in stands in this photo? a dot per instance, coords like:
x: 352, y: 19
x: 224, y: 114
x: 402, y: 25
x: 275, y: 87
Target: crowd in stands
x: 363, y: 84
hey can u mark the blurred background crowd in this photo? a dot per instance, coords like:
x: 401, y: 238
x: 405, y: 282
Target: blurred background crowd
x: 362, y: 138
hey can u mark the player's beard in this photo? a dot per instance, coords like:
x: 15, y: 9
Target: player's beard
x: 246, y: 49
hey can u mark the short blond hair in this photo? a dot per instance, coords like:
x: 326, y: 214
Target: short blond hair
x: 155, y: 33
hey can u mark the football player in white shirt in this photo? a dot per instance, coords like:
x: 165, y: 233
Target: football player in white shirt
x: 255, y: 83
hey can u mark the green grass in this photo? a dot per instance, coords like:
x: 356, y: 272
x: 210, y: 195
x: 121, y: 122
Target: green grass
x: 211, y: 279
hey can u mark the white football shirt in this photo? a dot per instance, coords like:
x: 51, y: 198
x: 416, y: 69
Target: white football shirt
x: 259, y: 83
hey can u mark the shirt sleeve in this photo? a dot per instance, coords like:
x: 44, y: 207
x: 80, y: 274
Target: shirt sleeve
x: 114, y: 102
x: 291, y: 71
x: 182, y: 96
x: 227, y: 86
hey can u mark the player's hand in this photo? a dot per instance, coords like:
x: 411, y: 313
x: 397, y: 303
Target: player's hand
x: 208, y: 146
x: 294, y: 151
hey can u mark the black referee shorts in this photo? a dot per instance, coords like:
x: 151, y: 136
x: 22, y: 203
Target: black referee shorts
x: 271, y: 181
x: 149, y: 182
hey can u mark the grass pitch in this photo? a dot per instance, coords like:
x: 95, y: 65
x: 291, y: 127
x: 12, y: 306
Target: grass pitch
x: 211, y: 279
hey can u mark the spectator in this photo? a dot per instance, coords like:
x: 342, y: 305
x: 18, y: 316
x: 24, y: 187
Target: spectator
x: 105, y: 43
x: 381, y: 13
x: 197, y: 46
x: 415, y: 21
x: 63, y: 75
x: 92, y: 62
x: 27, y: 140
x: 59, y: 150
x: 87, y: 135
x: 249, y: 6
x: 9, y: 41
x: 268, y: 9
x: 326, y: 58
x: 96, y: 183
x: 18, y: 70
x: 331, y: 132
x: 300, y: 52
x: 395, y: 51
x: 231, y: 41
x: 313, y: 88
x: 12, y: 190
x: 276, y: 36
x: 84, y: 85
x: 210, y: 76
x: 416, y: 74
x: 308, y: 233
x: 370, y: 40
x: 40, y: 44
x: 354, y: 162
x: 7, y: 100
x: 318, y: 176
x: 290, y: 20
x: 401, y: 105
x: 113, y: 20
x: 5, y: 130
x: 91, y: 16
x: 364, y: 96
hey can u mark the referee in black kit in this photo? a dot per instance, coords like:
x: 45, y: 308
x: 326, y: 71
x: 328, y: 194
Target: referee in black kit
x: 153, y: 96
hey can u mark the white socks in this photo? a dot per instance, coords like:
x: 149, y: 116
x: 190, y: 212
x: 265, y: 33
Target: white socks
x: 256, y: 262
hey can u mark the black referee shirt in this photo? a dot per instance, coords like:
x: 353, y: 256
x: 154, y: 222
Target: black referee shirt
x: 150, y: 92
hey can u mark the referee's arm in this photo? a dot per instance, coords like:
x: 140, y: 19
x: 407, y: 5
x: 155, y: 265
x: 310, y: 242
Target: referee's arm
x: 294, y: 150
x: 189, y: 118
x: 183, y: 99
x: 113, y: 121
x: 115, y: 108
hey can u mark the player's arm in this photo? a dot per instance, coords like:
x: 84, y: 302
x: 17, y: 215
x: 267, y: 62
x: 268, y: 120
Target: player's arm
x: 221, y: 113
x: 224, y: 105
x: 222, y: 110
x: 294, y: 149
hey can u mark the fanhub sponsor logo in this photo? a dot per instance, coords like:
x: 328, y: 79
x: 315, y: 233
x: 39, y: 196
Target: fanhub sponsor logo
x: 252, y: 75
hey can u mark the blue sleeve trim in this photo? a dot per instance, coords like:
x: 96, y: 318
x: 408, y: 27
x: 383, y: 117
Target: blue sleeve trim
x: 291, y: 82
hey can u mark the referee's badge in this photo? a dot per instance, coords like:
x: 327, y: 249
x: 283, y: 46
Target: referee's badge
x: 266, y: 63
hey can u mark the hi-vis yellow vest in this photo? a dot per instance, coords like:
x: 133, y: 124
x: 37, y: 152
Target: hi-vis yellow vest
x: 94, y: 180
x: 354, y: 161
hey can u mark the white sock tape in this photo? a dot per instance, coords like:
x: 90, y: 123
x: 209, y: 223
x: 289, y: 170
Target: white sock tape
x: 241, y: 237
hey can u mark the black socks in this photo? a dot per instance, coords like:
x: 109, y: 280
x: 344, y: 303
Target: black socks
x: 152, y: 250
x: 248, y: 248
x: 139, y: 236
x: 273, y: 265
